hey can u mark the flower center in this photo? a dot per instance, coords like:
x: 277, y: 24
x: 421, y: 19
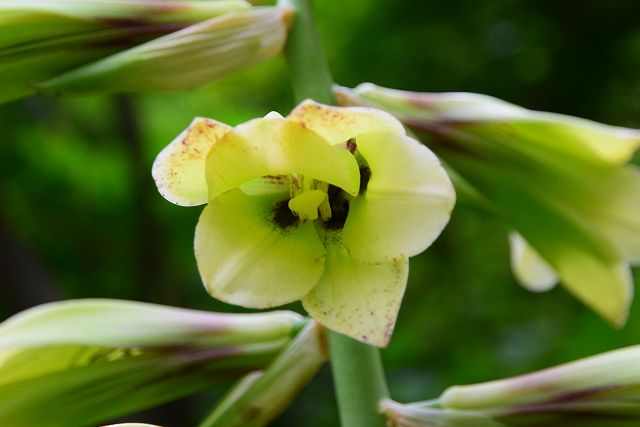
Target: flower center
x: 311, y: 199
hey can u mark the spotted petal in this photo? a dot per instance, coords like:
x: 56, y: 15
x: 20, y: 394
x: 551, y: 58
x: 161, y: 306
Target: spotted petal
x: 407, y: 201
x: 179, y: 168
x: 246, y: 259
x: 337, y: 125
x: 358, y: 298
x: 272, y: 146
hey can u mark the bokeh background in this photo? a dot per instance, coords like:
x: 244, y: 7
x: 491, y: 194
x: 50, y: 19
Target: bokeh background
x: 80, y: 215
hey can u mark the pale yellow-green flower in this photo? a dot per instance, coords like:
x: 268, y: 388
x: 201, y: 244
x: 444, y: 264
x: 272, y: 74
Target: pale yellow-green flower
x: 563, y: 183
x: 323, y: 206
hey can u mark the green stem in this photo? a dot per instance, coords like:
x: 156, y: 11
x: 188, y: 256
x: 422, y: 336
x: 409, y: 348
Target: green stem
x: 359, y: 381
x: 357, y: 369
x: 310, y: 75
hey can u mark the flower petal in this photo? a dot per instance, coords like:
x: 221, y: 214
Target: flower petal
x: 267, y: 185
x: 179, y: 168
x: 605, y: 287
x: 616, y: 209
x: 407, y: 202
x: 339, y: 124
x: 358, y: 298
x: 272, y: 146
x: 554, y: 217
x: 529, y: 268
x: 246, y: 259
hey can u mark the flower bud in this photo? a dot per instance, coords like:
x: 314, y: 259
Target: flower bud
x: 603, y: 390
x: 562, y: 183
x: 84, y: 361
x: 70, y: 46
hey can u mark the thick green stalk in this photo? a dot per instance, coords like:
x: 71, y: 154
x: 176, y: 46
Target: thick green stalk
x: 310, y: 75
x: 359, y: 381
x: 357, y: 369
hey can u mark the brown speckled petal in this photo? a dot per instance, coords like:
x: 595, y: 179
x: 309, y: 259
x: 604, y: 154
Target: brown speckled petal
x: 358, y: 298
x: 179, y: 168
x: 339, y: 124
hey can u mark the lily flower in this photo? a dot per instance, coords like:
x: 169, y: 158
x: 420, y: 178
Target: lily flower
x: 563, y: 183
x: 323, y: 206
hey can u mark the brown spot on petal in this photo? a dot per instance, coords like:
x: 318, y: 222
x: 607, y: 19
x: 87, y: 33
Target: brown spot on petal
x: 277, y: 178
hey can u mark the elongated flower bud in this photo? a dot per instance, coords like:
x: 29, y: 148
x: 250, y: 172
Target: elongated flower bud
x: 70, y: 46
x: 80, y: 362
x: 602, y: 390
x: 185, y: 59
x: 562, y: 183
x: 428, y: 414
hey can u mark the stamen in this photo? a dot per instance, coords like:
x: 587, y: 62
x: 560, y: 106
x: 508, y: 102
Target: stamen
x: 325, y: 206
x: 306, y: 205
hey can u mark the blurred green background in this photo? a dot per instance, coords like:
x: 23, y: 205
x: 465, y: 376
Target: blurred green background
x: 81, y: 216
